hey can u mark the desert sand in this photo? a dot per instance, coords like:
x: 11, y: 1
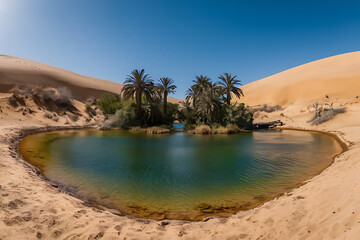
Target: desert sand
x: 336, y: 77
x: 18, y: 71
x: 326, y: 207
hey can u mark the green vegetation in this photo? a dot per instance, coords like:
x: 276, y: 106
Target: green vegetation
x: 207, y: 108
x: 109, y: 103
x: 229, y: 84
x: 138, y: 84
x: 151, y: 130
x: 209, y: 104
x: 166, y: 85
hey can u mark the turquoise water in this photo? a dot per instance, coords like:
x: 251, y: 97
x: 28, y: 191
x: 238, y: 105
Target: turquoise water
x: 178, y: 175
x: 179, y: 126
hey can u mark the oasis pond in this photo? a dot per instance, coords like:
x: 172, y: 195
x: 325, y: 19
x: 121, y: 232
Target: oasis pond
x: 179, y: 176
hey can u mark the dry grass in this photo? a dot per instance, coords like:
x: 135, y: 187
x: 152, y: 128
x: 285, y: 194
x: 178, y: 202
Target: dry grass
x: 150, y: 130
x: 324, y: 113
x: 49, y: 96
x: 110, y: 122
x: 202, y: 129
x: 51, y: 116
x: 90, y: 110
x: 206, y: 129
x: 61, y: 96
x: 229, y: 129
x: 265, y: 108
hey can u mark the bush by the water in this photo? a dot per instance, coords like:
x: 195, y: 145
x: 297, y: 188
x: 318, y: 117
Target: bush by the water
x: 126, y: 115
x: 123, y: 113
x: 207, y: 107
x: 215, y: 129
x: 233, y: 116
x: 202, y: 129
x: 229, y: 129
x: 150, y: 130
x: 109, y: 103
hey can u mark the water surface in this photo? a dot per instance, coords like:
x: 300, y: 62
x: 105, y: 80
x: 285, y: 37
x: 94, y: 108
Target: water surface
x: 179, y: 176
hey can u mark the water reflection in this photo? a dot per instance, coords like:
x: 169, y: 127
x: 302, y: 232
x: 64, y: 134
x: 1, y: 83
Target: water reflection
x: 176, y: 175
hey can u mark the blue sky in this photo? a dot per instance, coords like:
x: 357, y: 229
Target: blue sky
x: 179, y: 39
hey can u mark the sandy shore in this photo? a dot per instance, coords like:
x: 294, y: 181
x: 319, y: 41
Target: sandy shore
x: 327, y: 207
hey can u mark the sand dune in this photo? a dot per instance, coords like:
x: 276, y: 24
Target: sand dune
x: 18, y: 71
x: 336, y: 77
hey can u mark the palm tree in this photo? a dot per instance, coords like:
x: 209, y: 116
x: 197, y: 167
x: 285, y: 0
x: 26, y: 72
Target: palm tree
x: 190, y: 94
x: 138, y: 83
x: 209, y: 107
x: 230, y: 83
x: 201, y: 83
x: 167, y: 86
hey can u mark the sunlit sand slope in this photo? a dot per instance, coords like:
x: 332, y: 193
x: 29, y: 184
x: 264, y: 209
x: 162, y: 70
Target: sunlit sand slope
x: 336, y: 77
x: 18, y: 71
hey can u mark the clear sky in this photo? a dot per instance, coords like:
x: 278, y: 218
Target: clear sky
x: 179, y: 39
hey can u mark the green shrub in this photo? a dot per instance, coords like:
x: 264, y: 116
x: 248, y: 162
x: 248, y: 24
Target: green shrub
x: 109, y: 103
x: 126, y: 116
x: 239, y: 115
x: 172, y: 112
x: 189, y: 126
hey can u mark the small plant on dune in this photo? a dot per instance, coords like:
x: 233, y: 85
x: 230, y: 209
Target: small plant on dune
x: 15, y: 100
x: 89, y: 110
x: 60, y: 97
x: 91, y: 101
x: 64, y: 96
x: 25, y: 91
x: 51, y: 116
x: 266, y: 108
x: 324, y: 113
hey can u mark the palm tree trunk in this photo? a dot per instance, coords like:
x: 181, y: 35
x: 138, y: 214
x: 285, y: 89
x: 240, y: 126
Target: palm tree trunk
x: 138, y: 102
x: 228, y: 97
x: 165, y: 102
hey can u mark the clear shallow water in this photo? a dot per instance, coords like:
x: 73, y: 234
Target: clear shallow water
x: 179, y: 176
x: 179, y: 126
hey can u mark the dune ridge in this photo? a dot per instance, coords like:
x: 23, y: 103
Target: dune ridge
x: 336, y: 77
x: 18, y: 71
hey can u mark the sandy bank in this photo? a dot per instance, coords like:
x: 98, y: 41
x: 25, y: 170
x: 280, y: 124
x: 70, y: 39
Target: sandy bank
x: 327, y: 207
